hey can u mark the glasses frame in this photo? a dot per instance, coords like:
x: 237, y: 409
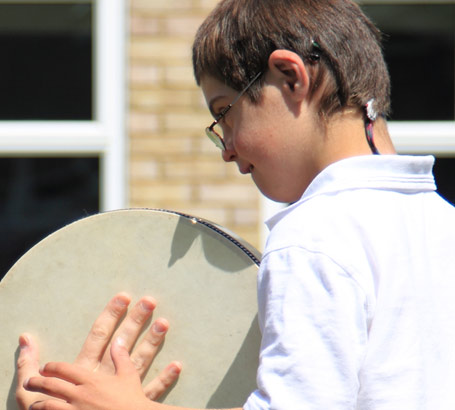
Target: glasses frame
x: 216, y: 138
x: 315, y: 56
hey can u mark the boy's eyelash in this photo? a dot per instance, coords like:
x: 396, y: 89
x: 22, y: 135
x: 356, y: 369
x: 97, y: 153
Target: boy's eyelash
x: 219, y: 112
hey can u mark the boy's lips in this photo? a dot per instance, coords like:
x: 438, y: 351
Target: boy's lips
x: 246, y: 169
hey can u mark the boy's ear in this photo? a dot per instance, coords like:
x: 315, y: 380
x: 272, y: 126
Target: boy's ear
x: 288, y: 71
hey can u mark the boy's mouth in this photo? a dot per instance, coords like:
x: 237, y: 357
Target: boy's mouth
x: 246, y: 170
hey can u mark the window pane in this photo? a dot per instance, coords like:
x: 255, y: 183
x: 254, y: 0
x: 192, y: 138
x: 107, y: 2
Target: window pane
x: 419, y: 47
x: 46, y: 70
x: 39, y: 196
x: 444, y: 173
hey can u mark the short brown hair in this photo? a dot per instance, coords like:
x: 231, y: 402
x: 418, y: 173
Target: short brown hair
x: 237, y: 38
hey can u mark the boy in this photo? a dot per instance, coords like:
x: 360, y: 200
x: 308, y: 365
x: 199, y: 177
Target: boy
x: 355, y: 286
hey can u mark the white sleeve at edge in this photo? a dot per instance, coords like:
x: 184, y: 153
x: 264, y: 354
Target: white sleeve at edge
x: 314, y: 322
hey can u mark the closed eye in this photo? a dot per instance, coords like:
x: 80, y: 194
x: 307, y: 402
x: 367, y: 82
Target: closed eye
x: 217, y: 101
x: 223, y: 112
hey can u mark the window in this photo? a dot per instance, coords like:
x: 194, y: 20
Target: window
x: 444, y: 173
x: 39, y: 195
x: 47, y: 50
x: 62, y: 154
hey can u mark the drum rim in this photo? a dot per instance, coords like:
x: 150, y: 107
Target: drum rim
x: 248, y: 249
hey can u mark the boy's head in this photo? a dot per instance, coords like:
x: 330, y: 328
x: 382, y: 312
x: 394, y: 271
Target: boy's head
x: 336, y: 41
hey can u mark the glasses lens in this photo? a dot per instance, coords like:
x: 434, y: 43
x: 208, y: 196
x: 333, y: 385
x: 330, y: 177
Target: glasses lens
x: 216, y: 138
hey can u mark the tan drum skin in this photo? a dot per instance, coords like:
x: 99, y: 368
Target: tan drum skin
x: 203, y: 278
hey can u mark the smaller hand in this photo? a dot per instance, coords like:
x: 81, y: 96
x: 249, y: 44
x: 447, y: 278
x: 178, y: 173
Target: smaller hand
x: 81, y: 389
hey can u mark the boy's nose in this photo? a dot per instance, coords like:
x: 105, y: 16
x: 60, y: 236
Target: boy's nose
x: 228, y: 154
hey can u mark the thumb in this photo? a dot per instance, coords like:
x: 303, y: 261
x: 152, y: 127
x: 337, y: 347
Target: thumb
x: 28, y: 360
x: 121, y: 358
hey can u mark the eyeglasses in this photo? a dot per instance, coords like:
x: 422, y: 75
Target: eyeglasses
x: 216, y: 138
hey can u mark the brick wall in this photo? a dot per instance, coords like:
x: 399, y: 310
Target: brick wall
x: 172, y: 163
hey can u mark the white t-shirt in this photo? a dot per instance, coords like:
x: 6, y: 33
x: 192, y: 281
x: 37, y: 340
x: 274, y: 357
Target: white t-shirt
x: 356, y: 293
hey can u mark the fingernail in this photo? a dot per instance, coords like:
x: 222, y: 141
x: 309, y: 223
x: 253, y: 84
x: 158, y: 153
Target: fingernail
x: 120, y: 341
x: 24, y: 341
x: 147, y: 305
x: 176, y: 368
x: 25, y: 384
x: 159, y: 327
x: 121, y: 302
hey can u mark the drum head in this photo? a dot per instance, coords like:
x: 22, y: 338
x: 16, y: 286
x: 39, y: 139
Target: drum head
x: 203, y: 278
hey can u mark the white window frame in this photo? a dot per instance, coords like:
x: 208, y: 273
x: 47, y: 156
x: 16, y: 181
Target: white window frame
x: 409, y: 137
x: 105, y: 135
x: 424, y: 137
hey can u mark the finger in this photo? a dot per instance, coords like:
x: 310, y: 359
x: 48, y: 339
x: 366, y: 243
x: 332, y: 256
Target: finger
x: 28, y: 360
x: 67, y: 372
x: 131, y: 327
x: 163, y: 381
x: 121, y: 360
x: 27, y: 366
x: 147, y: 349
x: 50, y: 405
x: 53, y: 387
x: 101, y: 332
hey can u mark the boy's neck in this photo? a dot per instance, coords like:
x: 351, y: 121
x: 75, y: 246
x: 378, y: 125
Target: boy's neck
x: 344, y: 137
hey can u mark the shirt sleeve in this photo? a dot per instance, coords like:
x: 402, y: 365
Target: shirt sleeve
x: 313, y: 317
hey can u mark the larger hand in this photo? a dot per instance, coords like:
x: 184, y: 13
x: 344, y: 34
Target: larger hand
x: 81, y: 389
x: 95, y: 356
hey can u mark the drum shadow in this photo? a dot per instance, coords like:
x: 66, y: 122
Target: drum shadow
x: 11, y: 399
x: 240, y: 380
x: 187, y: 231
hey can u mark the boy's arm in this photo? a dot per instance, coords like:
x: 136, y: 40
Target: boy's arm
x: 95, y: 356
x: 83, y: 390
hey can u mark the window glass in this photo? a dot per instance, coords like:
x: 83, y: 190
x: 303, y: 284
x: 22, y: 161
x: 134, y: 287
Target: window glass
x: 39, y: 196
x: 419, y: 47
x: 444, y: 173
x: 46, y: 70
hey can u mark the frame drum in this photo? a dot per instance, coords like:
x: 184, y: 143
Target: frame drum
x: 203, y: 278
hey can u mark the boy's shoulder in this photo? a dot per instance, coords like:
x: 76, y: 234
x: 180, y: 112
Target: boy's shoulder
x: 349, y: 201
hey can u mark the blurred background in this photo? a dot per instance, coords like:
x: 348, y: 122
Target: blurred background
x: 99, y: 111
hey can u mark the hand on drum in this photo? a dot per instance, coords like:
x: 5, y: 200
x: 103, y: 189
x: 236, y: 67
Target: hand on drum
x: 95, y: 356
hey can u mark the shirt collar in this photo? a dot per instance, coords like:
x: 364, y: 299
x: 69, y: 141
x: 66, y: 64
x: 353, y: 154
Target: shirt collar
x: 399, y: 173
